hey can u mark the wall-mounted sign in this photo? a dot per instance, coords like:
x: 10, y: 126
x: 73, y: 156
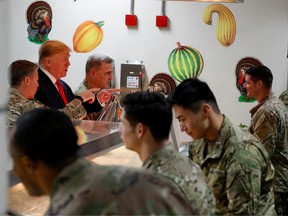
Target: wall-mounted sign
x: 132, y: 82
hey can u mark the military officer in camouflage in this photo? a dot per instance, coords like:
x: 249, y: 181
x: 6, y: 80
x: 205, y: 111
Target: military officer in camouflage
x: 99, y: 73
x: 43, y: 146
x: 146, y: 122
x: 284, y: 97
x: 23, y: 81
x: 235, y: 163
x: 269, y: 123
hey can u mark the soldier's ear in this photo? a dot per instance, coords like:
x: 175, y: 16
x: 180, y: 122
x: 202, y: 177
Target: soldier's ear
x: 29, y: 165
x: 205, y: 109
x: 26, y: 80
x: 140, y: 130
x: 92, y: 72
x: 259, y: 84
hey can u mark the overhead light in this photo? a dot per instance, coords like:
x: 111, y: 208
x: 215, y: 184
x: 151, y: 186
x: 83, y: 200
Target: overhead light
x: 218, y: 1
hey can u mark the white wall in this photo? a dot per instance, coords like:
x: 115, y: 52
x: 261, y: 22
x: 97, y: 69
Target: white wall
x: 3, y: 90
x: 262, y: 32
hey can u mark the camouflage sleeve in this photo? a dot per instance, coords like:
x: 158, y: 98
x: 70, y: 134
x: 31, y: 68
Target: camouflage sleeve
x: 32, y: 104
x: 265, y: 129
x: 194, y: 148
x: 284, y: 97
x: 74, y: 109
x: 243, y: 183
x: 81, y: 89
x: 15, y: 109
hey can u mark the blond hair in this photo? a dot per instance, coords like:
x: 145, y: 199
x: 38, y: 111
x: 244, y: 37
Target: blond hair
x: 50, y: 48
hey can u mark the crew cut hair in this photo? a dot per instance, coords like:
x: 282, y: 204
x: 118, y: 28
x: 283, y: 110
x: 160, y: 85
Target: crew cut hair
x: 191, y: 94
x: 151, y: 109
x: 20, y: 69
x: 46, y: 135
x: 261, y: 73
x: 96, y: 60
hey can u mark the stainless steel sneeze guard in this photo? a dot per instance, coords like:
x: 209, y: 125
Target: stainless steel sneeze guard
x: 100, y: 136
x: 95, y: 138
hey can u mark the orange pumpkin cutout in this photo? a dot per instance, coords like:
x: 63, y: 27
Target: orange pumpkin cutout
x: 87, y: 36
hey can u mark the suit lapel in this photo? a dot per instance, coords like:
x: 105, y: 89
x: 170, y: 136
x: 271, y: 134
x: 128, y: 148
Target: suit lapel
x: 49, y: 89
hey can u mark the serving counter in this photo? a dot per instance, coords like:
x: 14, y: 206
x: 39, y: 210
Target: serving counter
x: 94, y: 137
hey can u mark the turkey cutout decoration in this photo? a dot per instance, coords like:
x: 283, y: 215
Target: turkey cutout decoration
x: 163, y: 83
x: 243, y: 65
x: 39, y: 19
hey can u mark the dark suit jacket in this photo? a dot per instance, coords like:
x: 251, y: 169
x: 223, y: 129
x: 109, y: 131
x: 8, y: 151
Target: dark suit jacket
x: 48, y: 94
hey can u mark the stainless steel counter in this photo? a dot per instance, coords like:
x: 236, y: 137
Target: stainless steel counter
x: 95, y: 138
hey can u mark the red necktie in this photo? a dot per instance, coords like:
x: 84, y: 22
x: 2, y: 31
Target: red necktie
x: 61, y: 91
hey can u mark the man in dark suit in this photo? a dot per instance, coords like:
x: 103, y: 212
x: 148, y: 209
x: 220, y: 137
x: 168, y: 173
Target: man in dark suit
x: 52, y: 91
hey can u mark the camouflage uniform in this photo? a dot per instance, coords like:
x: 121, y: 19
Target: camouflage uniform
x: 284, y: 97
x: 186, y: 174
x: 83, y: 188
x: 269, y: 123
x: 238, y: 170
x: 83, y: 87
x: 18, y: 104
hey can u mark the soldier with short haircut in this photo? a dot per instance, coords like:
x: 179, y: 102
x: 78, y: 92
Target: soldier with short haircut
x: 23, y: 81
x: 146, y: 123
x: 235, y: 163
x: 269, y: 123
x: 284, y: 97
x: 43, y: 146
x: 99, y: 73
